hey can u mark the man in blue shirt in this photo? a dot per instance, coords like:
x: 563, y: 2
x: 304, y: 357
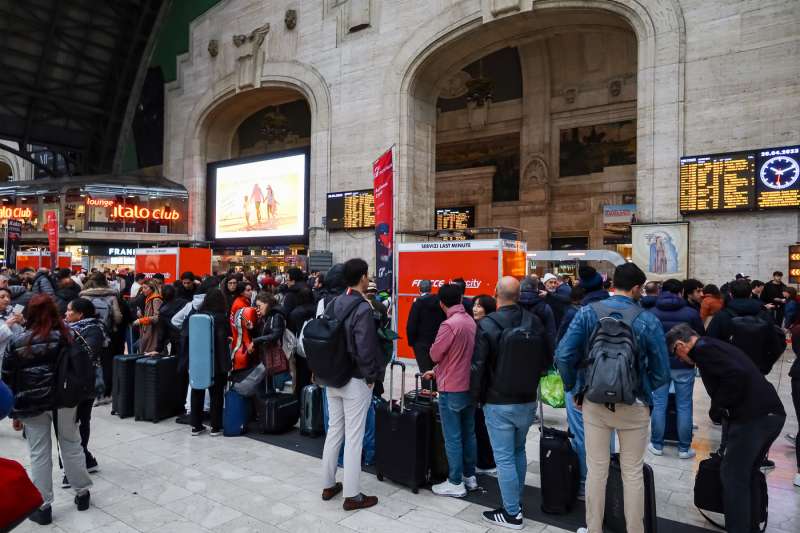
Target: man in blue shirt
x: 632, y: 422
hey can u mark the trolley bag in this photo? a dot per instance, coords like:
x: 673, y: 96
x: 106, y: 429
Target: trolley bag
x: 438, y: 466
x: 156, y: 397
x: 485, y: 456
x: 235, y: 414
x: 559, y: 469
x: 708, y: 491
x: 201, y: 351
x: 312, y: 422
x: 615, y: 507
x: 277, y: 412
x: 671, y: 424
x: 401, y: 439
x: 123, y: 391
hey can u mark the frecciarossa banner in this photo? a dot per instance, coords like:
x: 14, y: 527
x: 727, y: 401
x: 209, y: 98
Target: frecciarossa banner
x: 383, y: 175
x: 475, y: 261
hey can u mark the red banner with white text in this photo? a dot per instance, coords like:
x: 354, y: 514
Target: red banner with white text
x: 383, y: 173
x: 51, y: 219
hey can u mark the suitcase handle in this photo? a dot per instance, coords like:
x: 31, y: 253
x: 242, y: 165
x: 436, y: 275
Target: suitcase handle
x: 402, y: 366
x: 417, y: 390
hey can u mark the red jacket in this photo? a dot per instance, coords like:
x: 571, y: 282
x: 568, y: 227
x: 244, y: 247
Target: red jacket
x: 452, y: 350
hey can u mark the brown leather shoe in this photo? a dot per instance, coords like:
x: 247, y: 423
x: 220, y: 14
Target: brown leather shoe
x: 330, y: 492
x: 352, y: 504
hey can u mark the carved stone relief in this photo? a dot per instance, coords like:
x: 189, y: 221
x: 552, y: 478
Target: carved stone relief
x: 213, y: 47
x: 249, y: 56
x: 290, y: 19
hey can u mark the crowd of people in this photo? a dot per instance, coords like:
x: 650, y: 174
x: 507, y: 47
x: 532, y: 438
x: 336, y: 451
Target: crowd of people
x: 482, y: 355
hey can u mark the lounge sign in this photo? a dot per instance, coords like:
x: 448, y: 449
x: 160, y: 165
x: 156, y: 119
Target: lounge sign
x: 134, y: 212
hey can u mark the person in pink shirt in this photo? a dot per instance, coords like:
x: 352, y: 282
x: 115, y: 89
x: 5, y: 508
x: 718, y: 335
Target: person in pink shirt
x: 452, y: 354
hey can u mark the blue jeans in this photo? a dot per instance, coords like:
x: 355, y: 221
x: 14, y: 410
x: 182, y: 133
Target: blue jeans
x: 458, y: 426
x: 575, y: 423
x: 683, y: 380
x: 508, y: 427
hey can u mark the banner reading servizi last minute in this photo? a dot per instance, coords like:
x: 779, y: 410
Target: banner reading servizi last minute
x: 383, y: 174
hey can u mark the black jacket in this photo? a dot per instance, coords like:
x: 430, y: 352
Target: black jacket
x: 772, y: 291
x: 484, y: 357
x: 720, y: 326
x: 66, y: 294
x: 533, y: 303
x: 737, y: 389
x: 559, y: 303
x: 299, y: 315
x: 94, y: 333
x: 270, y: 328
x: 424, y: 320
x: 291, y: 298
x: 362, y: 338
x: 167, y: 332
x: 29, y: 369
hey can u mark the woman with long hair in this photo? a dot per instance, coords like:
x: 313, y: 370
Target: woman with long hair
x: 29, y: 369
x: 214, y: 305
x: 149, y: 334
x: 268, y: 339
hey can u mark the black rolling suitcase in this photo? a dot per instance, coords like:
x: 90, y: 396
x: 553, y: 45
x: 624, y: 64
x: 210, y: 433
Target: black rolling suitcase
x: 485, y: 459
x: 312, y: 423
x: 559, y: 469
x: 671, y: 423
x: 156, y: 392
x: 402, y: 437
x: 438, y: 466
x: 123, y: 389
x: 277, y: 412
x: 615, y: 508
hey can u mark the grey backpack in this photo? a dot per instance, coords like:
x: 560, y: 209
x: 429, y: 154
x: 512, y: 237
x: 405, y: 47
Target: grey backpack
x: 612, y: 371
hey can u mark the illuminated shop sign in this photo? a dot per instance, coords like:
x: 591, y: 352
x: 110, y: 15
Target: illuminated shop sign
x: 15, y: 212
x: 134, y: 212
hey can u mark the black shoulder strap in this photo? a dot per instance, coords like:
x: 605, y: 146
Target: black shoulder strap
x: 527, y: 320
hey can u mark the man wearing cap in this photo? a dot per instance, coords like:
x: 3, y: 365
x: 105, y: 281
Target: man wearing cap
x: 423, y: 324
x: 557, y: 296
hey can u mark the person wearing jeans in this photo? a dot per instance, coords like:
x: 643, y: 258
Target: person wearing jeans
x: 631, y: 421
x: 504, y: 377
x: 452, y: 353
x: 751, y: 409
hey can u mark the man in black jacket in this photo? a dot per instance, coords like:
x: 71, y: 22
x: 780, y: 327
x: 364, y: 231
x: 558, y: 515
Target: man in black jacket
x: 508, y: 392
x: 749, y: 404
x: 424, y: 320
x: 773, y: 295
x: 348, y: 405
x: 293, y: 286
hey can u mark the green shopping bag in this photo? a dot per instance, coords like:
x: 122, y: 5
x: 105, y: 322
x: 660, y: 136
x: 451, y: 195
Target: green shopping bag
x: 551, y: 389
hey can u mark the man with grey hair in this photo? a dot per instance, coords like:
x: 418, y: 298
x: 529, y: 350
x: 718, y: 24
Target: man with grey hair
x: 424, y: 319
x: 511, y: 352
x: 742, y: 397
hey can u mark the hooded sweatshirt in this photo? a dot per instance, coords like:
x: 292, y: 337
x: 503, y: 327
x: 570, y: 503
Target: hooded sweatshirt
x: 671, y: 309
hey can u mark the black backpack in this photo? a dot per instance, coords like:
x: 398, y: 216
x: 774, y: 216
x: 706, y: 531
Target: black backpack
x: 759, y: 338
x: 521, y: 357
x: 325, y: 346
x: 75, y: 373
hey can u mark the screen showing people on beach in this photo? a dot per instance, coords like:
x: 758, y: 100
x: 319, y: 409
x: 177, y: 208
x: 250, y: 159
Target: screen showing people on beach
x: 261, y: 198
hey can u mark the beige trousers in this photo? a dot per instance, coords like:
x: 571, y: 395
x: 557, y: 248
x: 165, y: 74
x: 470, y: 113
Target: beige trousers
x: 632, y: 423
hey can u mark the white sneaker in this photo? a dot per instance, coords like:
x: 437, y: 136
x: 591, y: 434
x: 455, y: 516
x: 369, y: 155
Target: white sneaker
x: 582, y: 530
x: 655, y: 451
x: 688, y: 454
x: 797, y: 480
x: 445, y: 488
x: 486, y: 471
x: 471, y: 483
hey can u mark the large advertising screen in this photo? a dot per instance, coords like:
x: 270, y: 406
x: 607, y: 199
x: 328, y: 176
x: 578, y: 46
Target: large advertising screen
x: 264, y: 198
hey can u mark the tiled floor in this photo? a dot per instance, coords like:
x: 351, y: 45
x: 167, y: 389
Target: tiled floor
x: 156, y: 477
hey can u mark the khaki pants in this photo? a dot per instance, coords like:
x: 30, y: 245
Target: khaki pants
x: 632, y: 423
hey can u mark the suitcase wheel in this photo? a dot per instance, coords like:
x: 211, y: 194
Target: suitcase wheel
x: 379, y: 476
x: 415, y: 490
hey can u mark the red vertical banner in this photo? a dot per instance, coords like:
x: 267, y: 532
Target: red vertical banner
x: 383, y: 173
x: 51, y: 219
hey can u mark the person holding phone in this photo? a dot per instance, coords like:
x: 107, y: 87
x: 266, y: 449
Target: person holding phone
x: 10, y: 320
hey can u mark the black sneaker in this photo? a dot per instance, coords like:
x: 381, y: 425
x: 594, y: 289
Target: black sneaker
x: 215, y: 432
x: 65, y: 483
x: 198, y: 431
x: 766, y: 464
x: 500, y: 517
x: 42, y: 517
x: 184, y: 419
x: 82, y: 501
x: 91, y: 463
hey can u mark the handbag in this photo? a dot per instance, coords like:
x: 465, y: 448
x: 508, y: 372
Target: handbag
x: 275, y: 360
x: 18, y: 495
x: 551, y: 389
x: 247, y: 382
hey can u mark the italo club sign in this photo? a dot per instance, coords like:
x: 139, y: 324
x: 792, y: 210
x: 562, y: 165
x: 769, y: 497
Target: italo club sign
x: 134, y: 212
x: 15, y: 212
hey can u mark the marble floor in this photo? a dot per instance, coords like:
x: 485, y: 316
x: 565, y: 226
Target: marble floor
x: 156, y: 477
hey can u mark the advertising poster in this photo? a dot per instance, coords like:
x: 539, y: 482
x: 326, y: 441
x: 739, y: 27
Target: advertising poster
x: 13, y: 236
x: 662, y: 250
x: 617, y: 220
x: 384, y: 225
x: 261, y: 198
x: 152, y: 261
x: 51, y: 218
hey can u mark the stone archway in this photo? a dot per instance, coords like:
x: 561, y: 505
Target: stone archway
x: 659, y: 29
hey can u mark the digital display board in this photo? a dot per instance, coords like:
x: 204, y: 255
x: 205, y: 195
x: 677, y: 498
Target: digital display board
x: 350, y: 210
x: 717, y: 183
x: 261, y: 198
x: 748, y: 180
x: 455, y: 218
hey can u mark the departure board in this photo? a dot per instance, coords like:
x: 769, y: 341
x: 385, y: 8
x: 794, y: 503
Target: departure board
x: 351, y: 210
x: 455, y: 218
x: 777, y: 183
x: 722, y: 182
